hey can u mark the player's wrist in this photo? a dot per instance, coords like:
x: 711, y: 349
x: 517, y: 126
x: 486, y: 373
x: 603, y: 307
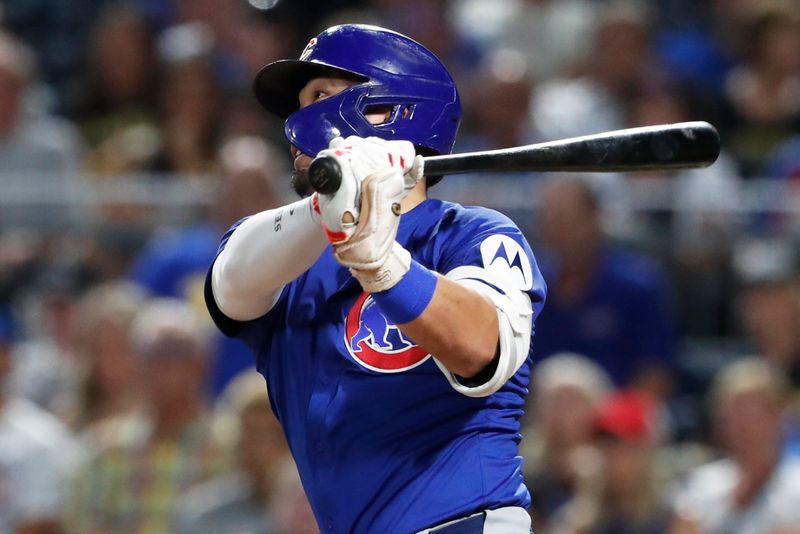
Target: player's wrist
x: 407, y: 298
x: 392, y: 268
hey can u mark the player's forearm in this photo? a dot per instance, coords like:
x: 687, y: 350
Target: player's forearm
x: 459, y: 326
x: 267, y: 251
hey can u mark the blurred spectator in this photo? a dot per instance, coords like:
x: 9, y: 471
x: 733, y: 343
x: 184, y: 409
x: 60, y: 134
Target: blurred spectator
x: 555, y: 36
x: 769, y: 302
x: 497, y: 103
x: 694, y: 43
x: 566, y: 390
x: 247, y: 35
x: 784, y: 161
x: 496, y: 107
x: 256, y: 40
x: 237, y: 502
x: 35, y: 147
x: 58, y: 32
x: 603, y: 302
x: 111, y: 379
x: 216, y: 15
x: 704, y: 219
x: 289, y: 505
x: 190, y: 100
x: 616, y: 491
x: 753, y: 490
x: 47, y: 366
x: 430, y: 23
x: 783, y: 166
x: 36, y: 455
x: 765, y: 91
x: 139, y: 466
x: 244, y: 117
x: 620, y: 66
x: 114, y: 104
x: 175, y: 262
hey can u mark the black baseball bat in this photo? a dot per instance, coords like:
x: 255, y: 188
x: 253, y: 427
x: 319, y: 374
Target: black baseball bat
x: 667, y: 146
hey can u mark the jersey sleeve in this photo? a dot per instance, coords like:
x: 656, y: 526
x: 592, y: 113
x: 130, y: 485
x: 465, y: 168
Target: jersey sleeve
x: 485, y: 251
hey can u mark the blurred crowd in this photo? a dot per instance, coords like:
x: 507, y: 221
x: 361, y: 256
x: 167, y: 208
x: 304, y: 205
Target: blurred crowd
x: 666, y: 388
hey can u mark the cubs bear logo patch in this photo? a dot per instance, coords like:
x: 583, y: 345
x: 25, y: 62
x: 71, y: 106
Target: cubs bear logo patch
x: 377, y: 344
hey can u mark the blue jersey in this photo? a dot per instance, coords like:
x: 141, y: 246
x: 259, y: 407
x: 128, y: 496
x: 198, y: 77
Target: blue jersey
x: 382, y: 441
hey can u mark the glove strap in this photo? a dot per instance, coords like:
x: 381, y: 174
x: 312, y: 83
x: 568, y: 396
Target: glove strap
x: 407, y: 299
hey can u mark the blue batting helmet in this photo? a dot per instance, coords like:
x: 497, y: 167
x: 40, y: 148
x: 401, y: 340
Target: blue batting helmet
x: 392, y: 72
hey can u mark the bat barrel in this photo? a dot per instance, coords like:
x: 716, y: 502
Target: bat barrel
x: 664, y: 147
x: 676, y: 146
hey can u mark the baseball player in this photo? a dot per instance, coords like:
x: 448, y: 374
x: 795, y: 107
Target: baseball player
x: 393, y: 330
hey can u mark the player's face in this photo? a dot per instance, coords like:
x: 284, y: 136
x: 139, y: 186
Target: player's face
x: 314, y: 91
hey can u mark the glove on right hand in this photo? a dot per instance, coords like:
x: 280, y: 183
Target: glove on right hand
x: 359, y: 158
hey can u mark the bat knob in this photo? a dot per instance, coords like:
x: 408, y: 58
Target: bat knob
x: 325, y: 175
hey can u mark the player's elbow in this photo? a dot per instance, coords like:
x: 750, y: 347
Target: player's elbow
x: 470, y: 349
x: 470, y: 360
x: 235, y: 296
x: 229, y: 279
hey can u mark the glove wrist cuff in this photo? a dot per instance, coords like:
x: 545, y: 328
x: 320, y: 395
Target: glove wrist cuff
x: 388, y: 274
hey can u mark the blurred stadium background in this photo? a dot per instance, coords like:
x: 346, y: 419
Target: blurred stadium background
x: 667, y: 391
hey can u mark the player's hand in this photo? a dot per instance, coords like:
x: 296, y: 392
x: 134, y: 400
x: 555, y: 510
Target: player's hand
x: 358, y: 158
x: 371, y: 252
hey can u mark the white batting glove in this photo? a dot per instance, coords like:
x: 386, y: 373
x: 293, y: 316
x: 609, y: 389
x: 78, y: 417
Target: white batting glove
x: 375, y: 259
x: 358, y: 158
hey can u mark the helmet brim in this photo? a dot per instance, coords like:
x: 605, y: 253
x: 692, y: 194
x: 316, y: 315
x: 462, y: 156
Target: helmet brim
x: 278, y: 84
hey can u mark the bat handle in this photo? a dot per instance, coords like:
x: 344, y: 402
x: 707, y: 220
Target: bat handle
x: 325, y: 175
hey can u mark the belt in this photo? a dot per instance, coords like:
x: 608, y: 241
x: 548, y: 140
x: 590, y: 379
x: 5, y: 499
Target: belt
x: 469, y: 525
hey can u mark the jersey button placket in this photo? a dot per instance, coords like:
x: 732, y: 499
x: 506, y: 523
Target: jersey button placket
x: 320, y: 448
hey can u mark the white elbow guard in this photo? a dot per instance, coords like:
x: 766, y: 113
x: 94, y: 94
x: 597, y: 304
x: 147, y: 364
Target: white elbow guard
x: 514, y: 317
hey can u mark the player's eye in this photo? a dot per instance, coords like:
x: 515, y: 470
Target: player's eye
x: 319, y: 95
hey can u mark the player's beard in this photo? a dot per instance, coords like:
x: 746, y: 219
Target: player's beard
x: 300, y: 183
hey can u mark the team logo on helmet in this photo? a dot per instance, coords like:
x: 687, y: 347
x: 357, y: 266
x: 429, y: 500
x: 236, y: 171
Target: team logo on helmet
x: 377, y: 344
x: 308, y: 49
